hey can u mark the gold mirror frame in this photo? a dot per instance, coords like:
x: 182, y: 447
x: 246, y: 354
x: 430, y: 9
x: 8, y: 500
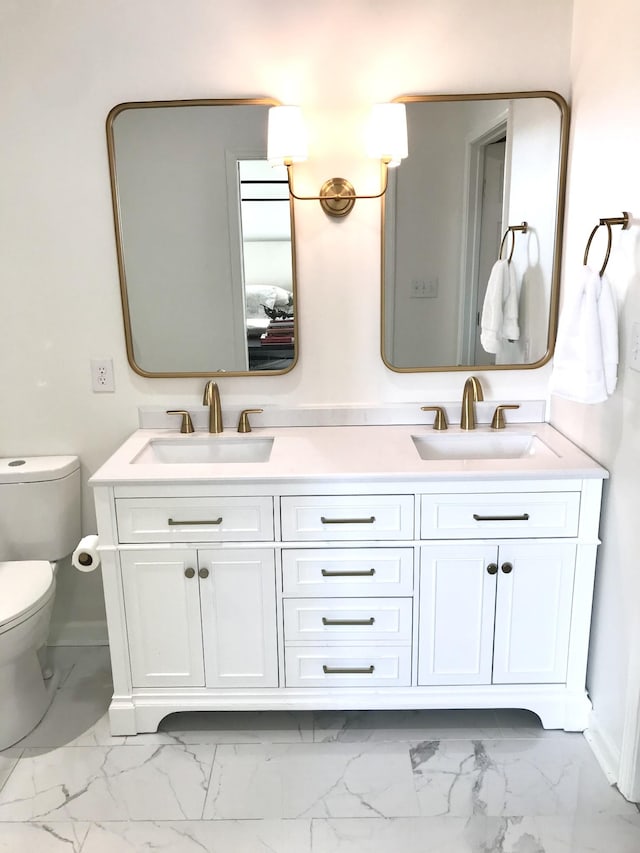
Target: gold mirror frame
x: 557, y: 250
x: 126, y: 314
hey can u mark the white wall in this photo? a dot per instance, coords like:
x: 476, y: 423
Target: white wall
x: 64, y: 65
x: 603, y: 182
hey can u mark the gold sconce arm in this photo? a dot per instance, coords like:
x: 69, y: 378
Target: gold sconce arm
x: 337, y: 195
x: 287, y: 144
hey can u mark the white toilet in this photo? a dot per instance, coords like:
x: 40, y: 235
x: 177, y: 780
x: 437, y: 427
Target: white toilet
x: 39, y: 523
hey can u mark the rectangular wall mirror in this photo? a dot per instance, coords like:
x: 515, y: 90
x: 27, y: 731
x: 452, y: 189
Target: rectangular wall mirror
x: 477, y: 165
x: 205, y: 239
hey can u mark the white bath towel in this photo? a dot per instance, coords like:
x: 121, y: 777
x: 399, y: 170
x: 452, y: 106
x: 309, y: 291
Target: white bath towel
x: 499, y: 321
x: 585, y: 367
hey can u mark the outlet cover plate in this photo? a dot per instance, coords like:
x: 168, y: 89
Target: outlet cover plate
x: 102, y: 381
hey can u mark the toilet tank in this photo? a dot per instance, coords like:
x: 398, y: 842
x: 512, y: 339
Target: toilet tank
x: 40, y: 515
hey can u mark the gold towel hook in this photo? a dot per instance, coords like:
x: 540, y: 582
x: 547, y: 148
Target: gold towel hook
x: 511, y: 230
x: 608, y: 221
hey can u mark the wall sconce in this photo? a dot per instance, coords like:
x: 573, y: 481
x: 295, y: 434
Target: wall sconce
x: 287, y: 144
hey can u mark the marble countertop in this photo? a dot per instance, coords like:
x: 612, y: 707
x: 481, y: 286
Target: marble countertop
x: 360, y: 452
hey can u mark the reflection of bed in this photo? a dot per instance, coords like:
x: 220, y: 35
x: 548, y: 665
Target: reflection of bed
x: 277, y: 355
x: 257, y: 296
x: 256, y: 327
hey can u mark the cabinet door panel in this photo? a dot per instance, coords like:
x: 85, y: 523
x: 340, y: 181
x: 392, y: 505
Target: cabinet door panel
x: 162, y: 607
x: 239, y: 617
x: 533, y: 613
x: 457, y: 598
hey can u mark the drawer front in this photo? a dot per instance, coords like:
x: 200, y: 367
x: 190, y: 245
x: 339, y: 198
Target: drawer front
x: 327, y: 572
x: 319, y: 620
x: 194, y: 519
x: 475, y: 516
x: 347, y: 517
x: 344, y: 666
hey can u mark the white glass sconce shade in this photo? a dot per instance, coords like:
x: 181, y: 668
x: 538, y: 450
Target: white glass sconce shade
x: 388, y: 133
x: 286, y: 136
x: 287, y: 144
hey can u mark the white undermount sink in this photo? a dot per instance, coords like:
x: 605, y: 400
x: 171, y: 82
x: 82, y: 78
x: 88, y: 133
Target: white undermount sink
x: 212, y: 449
x: 480, y: 445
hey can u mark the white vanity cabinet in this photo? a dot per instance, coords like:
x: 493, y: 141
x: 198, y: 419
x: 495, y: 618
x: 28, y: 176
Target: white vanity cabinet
x: 199, y: 618
x: 396, y: 590
x: 495, y: 614
x: 348, y: 612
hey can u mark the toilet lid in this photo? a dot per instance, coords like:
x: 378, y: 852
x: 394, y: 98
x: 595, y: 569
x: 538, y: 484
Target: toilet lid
x: 24, y: 586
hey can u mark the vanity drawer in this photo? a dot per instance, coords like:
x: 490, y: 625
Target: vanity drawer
x: 475, y: 516
x: 194, y: 519
x: 345, y: 666
x: 327, y: 572
x: 347, y: 517
x: 348, y: 619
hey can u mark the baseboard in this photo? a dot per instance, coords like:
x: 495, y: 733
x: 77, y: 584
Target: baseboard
x: 604, y: 749
x: 79, y: 633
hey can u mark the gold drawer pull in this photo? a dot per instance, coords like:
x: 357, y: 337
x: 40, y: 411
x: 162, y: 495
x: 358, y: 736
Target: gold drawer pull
x: 523, y: 517
x: 369, y: 520
x: 365, y: 670
x: 172, y: 522
x: 369, y: 621
x: 347, y: 574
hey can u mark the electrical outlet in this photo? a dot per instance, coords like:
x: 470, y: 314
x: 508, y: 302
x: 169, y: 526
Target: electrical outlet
x: 102, y: 375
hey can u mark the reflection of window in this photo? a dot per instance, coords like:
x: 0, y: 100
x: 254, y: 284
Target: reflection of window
x: 264, y: 201
x: 267, y: 264
x: 266, y: 227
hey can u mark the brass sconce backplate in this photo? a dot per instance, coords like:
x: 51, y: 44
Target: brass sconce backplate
x: 337, y: 197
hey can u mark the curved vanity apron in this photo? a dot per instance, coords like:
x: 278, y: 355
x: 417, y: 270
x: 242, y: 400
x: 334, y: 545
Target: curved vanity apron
x: 26, y: 586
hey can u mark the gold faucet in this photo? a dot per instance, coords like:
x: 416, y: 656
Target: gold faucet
x: 471, y: 394
x: 211, y: 398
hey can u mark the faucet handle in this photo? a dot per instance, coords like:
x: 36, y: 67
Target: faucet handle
x: 243, y: 423
x: 187, y: 424
x: 498, y: 421
x: 440, y: 420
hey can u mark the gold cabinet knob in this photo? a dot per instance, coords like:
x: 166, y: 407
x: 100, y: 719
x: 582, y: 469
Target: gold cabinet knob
x: 189, y: 573
x: 203, y: 573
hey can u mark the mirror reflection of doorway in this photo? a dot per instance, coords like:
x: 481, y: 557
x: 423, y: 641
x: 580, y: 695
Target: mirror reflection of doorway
x: 486, y: 210
x: 490, y: 216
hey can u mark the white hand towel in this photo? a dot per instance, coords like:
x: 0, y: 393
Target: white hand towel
x: 499, y: 320
x: 586, y: 359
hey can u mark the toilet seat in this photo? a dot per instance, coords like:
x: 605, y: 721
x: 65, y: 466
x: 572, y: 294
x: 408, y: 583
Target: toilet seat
x: 25, y: 587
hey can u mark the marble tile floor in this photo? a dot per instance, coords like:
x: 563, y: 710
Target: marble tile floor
x: 326, y: 782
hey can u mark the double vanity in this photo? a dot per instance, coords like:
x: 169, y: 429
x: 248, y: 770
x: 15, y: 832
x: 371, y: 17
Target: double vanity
x: 348, y: 567
x: 381, y: 563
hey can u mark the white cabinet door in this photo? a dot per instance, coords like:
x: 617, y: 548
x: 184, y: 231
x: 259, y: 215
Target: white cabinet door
x: 533, y: 613
x: 162, y: 605
x: 457, y: 598
x: 238, y: 592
